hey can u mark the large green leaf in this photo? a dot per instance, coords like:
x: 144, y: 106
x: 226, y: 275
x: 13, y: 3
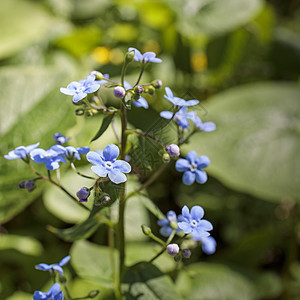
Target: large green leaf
x: 92, y: 262
x: 255, y: 148
x: 204, y: 281
x: 22, y: 23
x: 29, y: 97
x: 148, y: 282
x: 214, y: 17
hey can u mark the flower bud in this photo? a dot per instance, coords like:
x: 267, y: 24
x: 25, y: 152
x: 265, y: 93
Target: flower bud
x: 62, y: 279
x: 157, y: 83
x: 60, y: 139
x: 136, y: 96
x: 173, y: 249
x: 129, y: 56
x: 166, y: 157
x: 150, y: 90
x: 139, y: 89
x: 83, y: 194
x: 79, y: 112
x: 119, y: 92
x: 106, y: 198
x: 99, y: 76
x: 146, y: 230
x: 29, y: 185
x: 22, y: 185
x: 93, y: 294
x: 173, y: 150
x: 178, y: 258
x: 186, y: 253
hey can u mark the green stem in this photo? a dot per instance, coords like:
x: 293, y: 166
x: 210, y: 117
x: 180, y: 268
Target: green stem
x: 140, y: 76
x: 181, y: 142
x: 80, y: 174
x: 146, y: 134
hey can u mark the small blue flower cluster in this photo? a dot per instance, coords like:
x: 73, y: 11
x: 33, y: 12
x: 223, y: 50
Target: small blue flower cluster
x: 190, y: 223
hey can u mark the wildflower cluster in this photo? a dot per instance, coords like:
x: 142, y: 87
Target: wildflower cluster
x: 110, y: 166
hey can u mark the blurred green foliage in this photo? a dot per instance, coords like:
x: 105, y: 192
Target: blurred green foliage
x: 244, y: 56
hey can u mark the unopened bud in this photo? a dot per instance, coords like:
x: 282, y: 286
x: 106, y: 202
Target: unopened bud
x: 62, y: 279
x: 93, y: 294
x: 173, y: 249
x: 106, y: 198
x: 99, y: 75
x: 119, y: 92
x: 178, y: 258
x: 166, y: 157
x: 146, y: 230
x: 29, y: 185
x: 157, y: 83
x: 186, y: 253
x: 129, y: 56
x: 151, y: 90
x: 173, y: 150
x: 22, y: 185
x: 79, y: 112
x: 83, y: 194
x: 139, y: 89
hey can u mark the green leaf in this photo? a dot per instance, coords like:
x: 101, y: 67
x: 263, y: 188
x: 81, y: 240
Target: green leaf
x: 214, y: 17
x: 22, y: 23
x: 28, y: 96
x: 105, y: 123
x: 255, y: 148
x: 92, y: 262
x: 148, y: 282
x: 203, y: 281
x: 77, y: 232
x: 25, y: 245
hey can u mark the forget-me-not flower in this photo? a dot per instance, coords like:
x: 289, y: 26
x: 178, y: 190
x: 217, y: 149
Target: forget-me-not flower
x: 141, y: 102
x: 21, y: 152
x: 206, y: 126
x: 106, y: 164
x: 70, y: 153
x: 192, y: 168
x: 168, y: 224
x: 79, y: 90
x: 178, y: 101
x: 146, y: 57
x: 192, y: 223
x: 181, y: 117
x: 60, y: 139
x: 208, y: 244
x: 54, y: 293
x: 50, y: 157
x: 54, y: 267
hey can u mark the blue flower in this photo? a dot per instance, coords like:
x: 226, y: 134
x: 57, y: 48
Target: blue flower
x: 60, y: 138
x: 106, y: 164
x: 192, y: 168
x: 70, y: 153
x: 168, y: 224
x: 54, y: 293
x: 178, y: 101
x: 50, y: 157
x: 141, y: 102
x: 21, y: 152
x: 209, y: 244
x: 182, y: 117
x: 53, y: 267
x: 207, y: 126
x: 192, y: 223
x: 79, y: 90
x: 146, y: 57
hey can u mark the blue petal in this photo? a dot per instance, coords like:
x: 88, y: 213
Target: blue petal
x: 127, y: 85
x: 21, y: 152
x: 183, y: 122
x: 64, y: 260
x: 137, y: 54
x: 185, y: 227
x: 208, y: 126
x: 205, y: 225
x: 198, y: 234
x: 99, y: 170
x: 197, y: 212
x: 165, y: 231
x: 59, y: 296
x: 188, y: 177
x: 182, y: 165
x: 209, y: 245
x: 201, y: 176
x: 67, y: 91
x: 54, y: 290
x: 83, y: 150
x: 79, y: 96
x: 116, y: 176
x: 179, y: 102
x: 191, y: 102
x: 169, y: 92
x: 166, y: 114
x: 122, y: 166
x: 203, y: 161
x: 94, y: 158
x: 42, y: 267
x: 51, y: 164
x: 38, y: 155
x: 31, y: 147
x: 185, y: 212
x: 156, y: 60
x: 58, y: 269
x: 11, y: 155
x: 111, y: 152
x: 149, y: 55
x: 191, y: 156
x: 74, y: 85
x: 90, y: 79
x: 92, y: 88
x: 163, y: 222
x: 39, y: 296
x: 171, y: 215
x: 142, y: 102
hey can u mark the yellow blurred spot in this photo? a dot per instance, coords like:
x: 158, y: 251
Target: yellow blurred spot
x: 116, y: 56
x: 101, y: 55
x: 151, y: 45
x: 199, y: 61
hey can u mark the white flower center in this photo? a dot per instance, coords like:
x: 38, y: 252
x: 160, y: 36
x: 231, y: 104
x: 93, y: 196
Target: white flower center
x: 108, y: 164
x: 194, y: 223
x: 193, y: 167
